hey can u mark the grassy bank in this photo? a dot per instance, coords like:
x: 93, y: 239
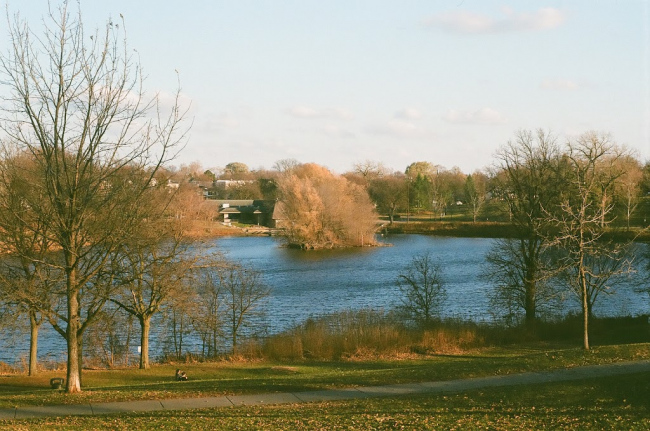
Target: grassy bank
x: 465, y: 229
x: 366, y: 349
x: 247, y: 377
x: 606, y: 403
x: 455, y: 228
x: 358, y: 352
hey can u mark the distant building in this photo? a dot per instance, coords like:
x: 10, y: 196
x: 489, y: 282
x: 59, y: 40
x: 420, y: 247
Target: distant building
x: 250, y: 211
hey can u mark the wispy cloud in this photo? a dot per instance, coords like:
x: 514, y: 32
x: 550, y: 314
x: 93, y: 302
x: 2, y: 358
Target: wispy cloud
x: 482, y: 116
x: 510, y: 21
x: 307, y: 112
x: 559, y: 84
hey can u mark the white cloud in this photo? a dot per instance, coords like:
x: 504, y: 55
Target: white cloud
x: 325, y: 113
x: 475, y: 23
x: 408, y: 114
x: 481, y: 116
x: 558, y: 84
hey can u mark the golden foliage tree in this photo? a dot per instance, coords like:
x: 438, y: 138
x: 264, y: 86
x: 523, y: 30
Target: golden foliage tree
x: 324, y: 210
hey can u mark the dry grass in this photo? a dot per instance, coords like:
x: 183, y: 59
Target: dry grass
x: 369, y: 334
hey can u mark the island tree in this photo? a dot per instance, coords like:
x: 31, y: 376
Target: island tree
x: 323, y: 210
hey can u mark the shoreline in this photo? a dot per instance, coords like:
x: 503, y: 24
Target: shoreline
x: 459, y: 229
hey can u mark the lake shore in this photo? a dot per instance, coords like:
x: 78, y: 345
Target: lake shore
x: 494, y: 230
x: 201, y: 230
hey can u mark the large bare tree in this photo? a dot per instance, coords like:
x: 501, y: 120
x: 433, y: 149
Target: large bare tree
x: 528, y: 179
x: 587, y: 261
x: 76, y: 104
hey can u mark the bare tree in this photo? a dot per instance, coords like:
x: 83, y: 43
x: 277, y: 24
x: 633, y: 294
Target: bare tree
x: 389, y: 194
x: 370, y: 170
x: 476, y: 192
x: 153, y: 267
x: 209, y: 319
x: 243, y: 294
x: 628, y: 186
x: 587, y: 261
x: 26, y: 280
x: 76, y: 105
x: 423, y: 289
x: 529, y: 180
x: 285, y: 166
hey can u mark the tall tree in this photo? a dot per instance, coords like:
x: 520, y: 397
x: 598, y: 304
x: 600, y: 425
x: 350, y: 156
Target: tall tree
x: 243, y: 294
x: 586, y: 259
x: 628, y: 186
x: 389, y: 194
x: 76, y: 105
x: 26, y: 283
x: 476, y: 192
x: 529, y: 180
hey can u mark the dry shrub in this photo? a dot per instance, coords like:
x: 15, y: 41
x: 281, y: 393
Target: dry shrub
x: 249, y: 349
x: 285, y: 347
x: 5, y: 368
x: 450, y: 340
x: 349, y: 334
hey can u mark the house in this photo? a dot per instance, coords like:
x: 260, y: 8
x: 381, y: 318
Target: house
x: 250, y: 211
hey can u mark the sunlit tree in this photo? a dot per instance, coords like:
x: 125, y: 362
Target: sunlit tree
x: 75, y: 103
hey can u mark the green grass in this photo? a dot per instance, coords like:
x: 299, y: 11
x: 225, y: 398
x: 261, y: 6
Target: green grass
x: 621, y: 402
x: 228, y: 378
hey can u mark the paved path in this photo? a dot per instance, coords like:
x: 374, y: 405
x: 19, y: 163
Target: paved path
x: 450, y: 386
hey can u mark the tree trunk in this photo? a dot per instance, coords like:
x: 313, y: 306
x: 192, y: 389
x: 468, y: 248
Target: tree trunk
x: 531, y: 307
x: 34, y: 326
x: 531, y: 255
x: 80, y: 354
x: 585, y: 310
x: 145, y: 326
x: 73, y: 383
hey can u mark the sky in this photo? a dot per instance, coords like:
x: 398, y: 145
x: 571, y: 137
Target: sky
x: 340, y: 82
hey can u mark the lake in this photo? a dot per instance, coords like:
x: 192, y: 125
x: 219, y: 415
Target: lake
x: 313, y: 283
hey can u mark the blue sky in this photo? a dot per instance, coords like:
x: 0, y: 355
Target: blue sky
x: 338, y: 82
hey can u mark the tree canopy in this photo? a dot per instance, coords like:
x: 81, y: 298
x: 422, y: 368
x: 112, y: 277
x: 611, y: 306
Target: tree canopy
x: 324, y: 210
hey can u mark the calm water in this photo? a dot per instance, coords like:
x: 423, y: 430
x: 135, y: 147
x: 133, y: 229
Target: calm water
x: 314, y: 283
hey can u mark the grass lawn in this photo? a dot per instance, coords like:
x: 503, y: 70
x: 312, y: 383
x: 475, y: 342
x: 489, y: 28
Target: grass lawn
x: 621, y: 402
x: 598, y: 402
